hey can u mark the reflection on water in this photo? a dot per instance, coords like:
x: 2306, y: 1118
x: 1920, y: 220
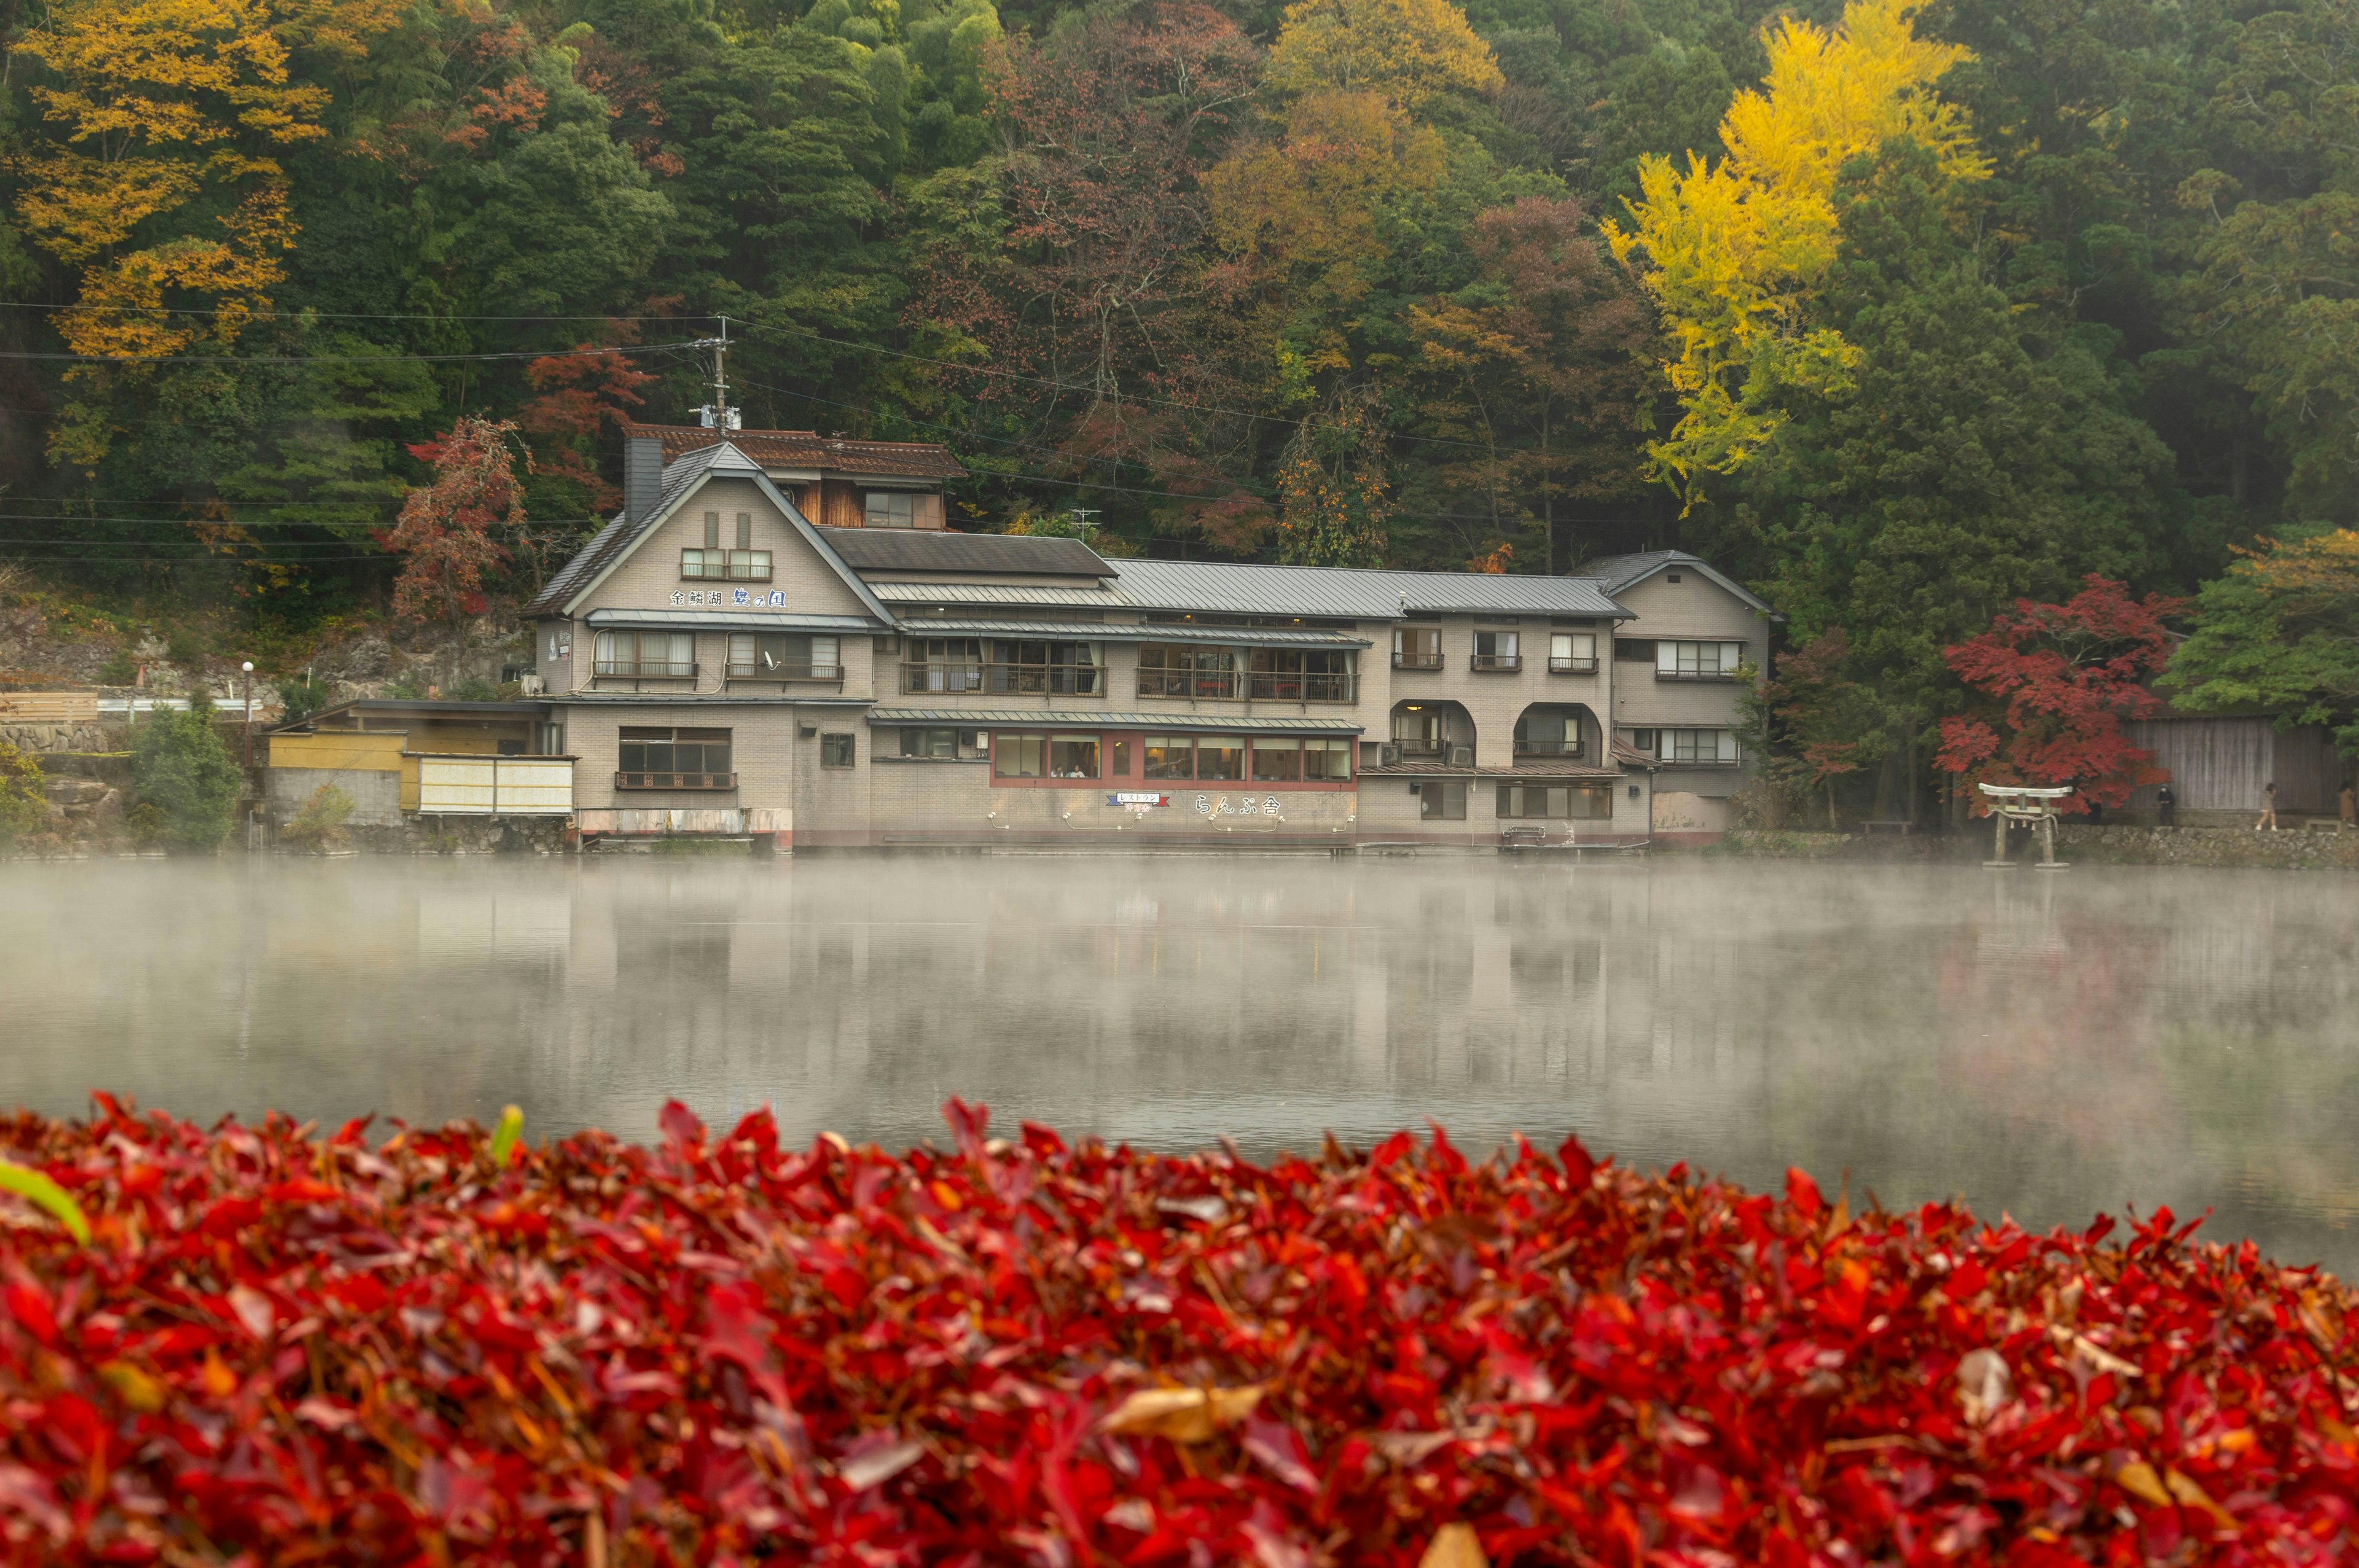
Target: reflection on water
x: 2049, y: 1045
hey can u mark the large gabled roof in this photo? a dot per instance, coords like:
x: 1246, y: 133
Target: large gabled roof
x: 1621, y: 573
x: 613, y: 543
x: 931, y: 550
x: 809, y: 450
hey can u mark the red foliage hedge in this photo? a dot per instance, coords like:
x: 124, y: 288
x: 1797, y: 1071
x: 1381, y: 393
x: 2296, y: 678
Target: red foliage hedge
x: 283, y: 1350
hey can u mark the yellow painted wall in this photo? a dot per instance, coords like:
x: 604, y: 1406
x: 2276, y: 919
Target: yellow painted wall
x: 370, y: 752
x: 469, y: 739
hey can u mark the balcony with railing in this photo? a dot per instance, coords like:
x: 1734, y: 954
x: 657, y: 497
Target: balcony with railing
x: 1724, y: 677
x: 1572, y: 667
x: 1003, y: 680
x: 709, y: 782
x: 1287, y: 687
x: 788, y: 670
x: 1496, y: 664
x: 1541, y: 746
x: 645, y: 669
x: 1219, y: 684
x: 1417, y: 661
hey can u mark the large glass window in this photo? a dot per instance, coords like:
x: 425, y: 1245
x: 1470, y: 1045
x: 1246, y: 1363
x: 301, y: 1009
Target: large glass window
x: 835, y: 751
x: 1220, y: 758
x: 942, y: 664
x: 1417, y: 647
x: 1019, y: 756
x: 1561, y: 801
x: 1699, y: 745
x: 1276, y: 761
x: 1416, y: 727
x: 673, y: 759
x: 1441, y: 800
x: 1072, y: 756
x: 1177, y: 670
x: 731, y: 566
x: 1572, y: 653
x: 1698, y: 661
x: 1120, y: 766
x: 771, y: 655
x: 664, y: 655
x: 892, y: 509
x: 1327, y: 761
x: 1301, y: 674
x: 1061, y: 669
x: 1169, y: 756
x: 937, y: 743
x: 1497, y: 651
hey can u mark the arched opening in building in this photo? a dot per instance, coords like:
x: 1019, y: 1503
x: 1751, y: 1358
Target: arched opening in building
x: 1560, y: 730
x: 1441, y: 732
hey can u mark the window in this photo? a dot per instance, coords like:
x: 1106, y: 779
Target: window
x: 774, y: 655
x: 670, y: 655
x: 1547, y: 732
x: 712, y: 530
x: 1699, y: 745
x: 731, y: 566
x: 1572, y: 653
x: 1417, y: 647
x: 1072, y: 756
x: 1698, y: 661
x: 1220, y: 758
x: 674, y: 759
x: 1288, y: 674
x: 1327, y: 761
x: 1416, y: 729
x: 1577, y: 801
x: 937, y: 743
x: 1441, y: 800
x: 1496, y: 651
x: 1166, y: 670
x: 1019, y: 756
x: 1169, y: 756
x: 835, y: 751
x: 1633, y: 650
x: 891, y: 509
x: 745, y: 530
x: 1061, y: 669
x: 548, y: 739
x: 1120, y: 767
x: 943, y: 663
x: 1641, y: 741
x: 1277, y: 762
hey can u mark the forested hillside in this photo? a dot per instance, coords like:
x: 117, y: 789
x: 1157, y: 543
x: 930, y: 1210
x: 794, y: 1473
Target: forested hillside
x: 1897, y: 318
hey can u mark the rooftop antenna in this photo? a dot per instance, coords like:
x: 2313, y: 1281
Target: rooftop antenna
x: 717, y: 415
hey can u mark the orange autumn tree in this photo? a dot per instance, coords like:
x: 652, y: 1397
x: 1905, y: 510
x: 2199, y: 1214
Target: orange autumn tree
x: 158, y: 171
x: 444, y: 533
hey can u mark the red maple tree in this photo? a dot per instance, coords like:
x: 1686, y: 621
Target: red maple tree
x: 2059, y: 680
x: 445, y: 527
x: 579, y: 395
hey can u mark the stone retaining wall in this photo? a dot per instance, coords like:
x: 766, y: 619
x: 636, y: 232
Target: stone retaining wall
x: 2111, y: 844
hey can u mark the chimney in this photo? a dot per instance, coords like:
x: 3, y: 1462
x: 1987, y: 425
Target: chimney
x: 642, y: 475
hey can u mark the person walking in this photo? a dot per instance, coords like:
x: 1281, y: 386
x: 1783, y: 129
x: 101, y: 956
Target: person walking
x: 2269, y: 809
x: 2350, y: 806
x: 2168, y: 805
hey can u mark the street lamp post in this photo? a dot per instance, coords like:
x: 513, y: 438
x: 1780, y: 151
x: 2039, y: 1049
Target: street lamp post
x: 248, y: 668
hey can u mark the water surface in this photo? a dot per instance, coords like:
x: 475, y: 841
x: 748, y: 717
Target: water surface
x: 2047, y: 1046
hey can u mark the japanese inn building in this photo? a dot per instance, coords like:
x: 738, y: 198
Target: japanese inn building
x: 778, y: 637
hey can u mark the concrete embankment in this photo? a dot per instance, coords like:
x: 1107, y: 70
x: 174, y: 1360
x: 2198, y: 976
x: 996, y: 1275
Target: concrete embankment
x: 2086, y: 843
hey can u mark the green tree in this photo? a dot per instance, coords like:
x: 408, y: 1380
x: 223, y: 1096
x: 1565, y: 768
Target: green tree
x: 180, y: 768
x: 2280, y: 631
x: 23, y: 799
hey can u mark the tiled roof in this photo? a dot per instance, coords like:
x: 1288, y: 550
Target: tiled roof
x: 932, y: 550
x: 727, y: 620
x: 989, y: 593
x: 1540, y: 767
x: 1221, y: 588
x: 809, y: 450
x: 1159, y: 724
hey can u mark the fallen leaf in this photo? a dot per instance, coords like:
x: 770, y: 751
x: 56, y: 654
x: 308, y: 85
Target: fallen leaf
x: 1454, y: 1546
x: 1183, y: 1415
x: 1983, y: 1384
x: 875, y: 1465
x: 132, y: 1386
x: 2187, y: 1491
x: 1210, y: 1210
x: 2138, y: 1479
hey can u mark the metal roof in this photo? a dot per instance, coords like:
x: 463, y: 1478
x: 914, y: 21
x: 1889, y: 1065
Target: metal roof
x: 733, y: 620
x: 709, y: 699
x: 993, y: 593
x: 1132, y: 631
x: 928, y: 551
x: 1343, y: 593
x: 1620, y: 572
x: 1158, y: 723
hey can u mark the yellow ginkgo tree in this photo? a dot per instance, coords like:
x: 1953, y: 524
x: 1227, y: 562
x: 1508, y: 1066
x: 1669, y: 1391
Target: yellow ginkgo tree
x: 155, y: 171
x: 1735, y: 254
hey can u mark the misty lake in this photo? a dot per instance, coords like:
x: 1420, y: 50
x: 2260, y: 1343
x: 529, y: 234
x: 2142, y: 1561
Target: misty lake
x: 2047, y: 1046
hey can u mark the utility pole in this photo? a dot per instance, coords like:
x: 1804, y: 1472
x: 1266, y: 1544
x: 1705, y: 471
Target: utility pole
x: 248, y: 668
x: 717, y: 413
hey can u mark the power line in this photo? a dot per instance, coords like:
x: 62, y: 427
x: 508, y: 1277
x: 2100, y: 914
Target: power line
x: 313, y: 315
x: 338, y: 359
x: 249, y: 523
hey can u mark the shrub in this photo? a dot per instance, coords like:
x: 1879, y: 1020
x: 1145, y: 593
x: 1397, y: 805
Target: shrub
x: 1019, y: 1352
x: 470, y: 688
x: 119, y: 669
x: 180, y: 766
x: 24, y: 795
x: 300, y: 700
x: 184, y: 648
x: 320, y: 824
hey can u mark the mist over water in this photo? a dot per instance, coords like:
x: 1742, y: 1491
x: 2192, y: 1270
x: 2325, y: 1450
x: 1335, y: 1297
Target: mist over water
x: 2049, y: 1045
